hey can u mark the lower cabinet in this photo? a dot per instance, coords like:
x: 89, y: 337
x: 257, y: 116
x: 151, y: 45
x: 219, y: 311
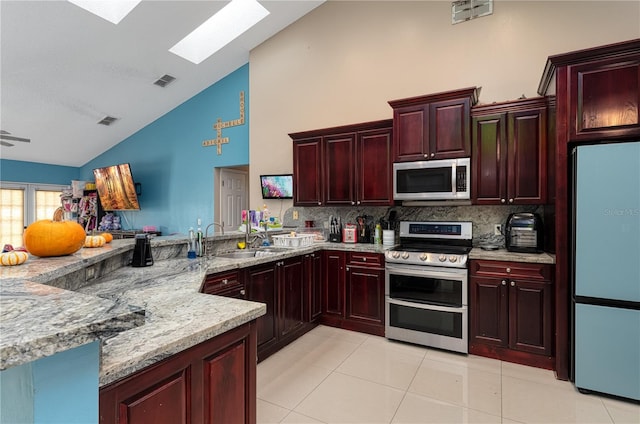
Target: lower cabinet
x: 511, y: 312
x: 281, y: 286
x: 213, y: 382
x: 313, y: 285
x: 354, y: 291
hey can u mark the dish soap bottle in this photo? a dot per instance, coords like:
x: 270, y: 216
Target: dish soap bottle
x: 199, y: 241
x: 265, y: 213
x: 377, y: 238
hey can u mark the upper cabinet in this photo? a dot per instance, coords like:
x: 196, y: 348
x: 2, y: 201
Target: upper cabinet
x: 435, y: 126
x: 600, y: 89
x: 509, y: 161
x: 349, y: 165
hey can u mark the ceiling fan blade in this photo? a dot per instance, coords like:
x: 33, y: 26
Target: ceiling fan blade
x: 4, y: 143
x: 12, y: 138
x: 4, y: 132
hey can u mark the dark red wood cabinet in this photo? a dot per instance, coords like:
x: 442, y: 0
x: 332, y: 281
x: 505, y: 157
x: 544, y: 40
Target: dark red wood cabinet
x: 280, y: 285
x: 511, y: 312
x: 353, y: 291
x: 344, y: 166
x: 435, y: 126
x: 308, y: 172
x: 212, y: 382
x: 509, y: 160
x: 313, y: 285
x: 597, y: 101
x: 228, y: 284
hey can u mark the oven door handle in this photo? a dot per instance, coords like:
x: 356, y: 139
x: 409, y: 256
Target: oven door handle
x: 412, y: 271
x: 426, y: 306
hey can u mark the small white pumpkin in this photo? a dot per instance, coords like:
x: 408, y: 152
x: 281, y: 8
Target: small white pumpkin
x: 94, y: 241
x: 15, y: 257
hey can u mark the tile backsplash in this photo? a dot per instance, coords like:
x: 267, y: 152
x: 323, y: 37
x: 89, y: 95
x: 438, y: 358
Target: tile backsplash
x: 483, y: 217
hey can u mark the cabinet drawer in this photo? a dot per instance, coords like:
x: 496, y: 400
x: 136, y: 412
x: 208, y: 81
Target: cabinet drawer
x: 363, y: 258
x: 529, y: 271
x: 222, y: 283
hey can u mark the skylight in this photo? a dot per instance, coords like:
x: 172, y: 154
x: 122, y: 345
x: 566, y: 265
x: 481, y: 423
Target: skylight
x: 219, y: 30
x: 111, y: 10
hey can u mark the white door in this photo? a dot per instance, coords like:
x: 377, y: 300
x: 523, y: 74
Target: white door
x: 233, y: 197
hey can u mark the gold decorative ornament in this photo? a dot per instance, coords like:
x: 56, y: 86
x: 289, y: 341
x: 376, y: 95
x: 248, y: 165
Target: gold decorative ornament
x: 219, y: 125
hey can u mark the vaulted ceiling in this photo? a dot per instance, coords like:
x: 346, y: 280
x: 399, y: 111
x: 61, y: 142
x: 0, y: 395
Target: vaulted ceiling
x: 64, y: 69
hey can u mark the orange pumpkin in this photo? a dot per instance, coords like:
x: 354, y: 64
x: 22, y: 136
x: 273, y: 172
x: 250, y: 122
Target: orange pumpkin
x: 94, y: 241
x: 53, y: 238
x: 107, y: 237
x: 15, y: 257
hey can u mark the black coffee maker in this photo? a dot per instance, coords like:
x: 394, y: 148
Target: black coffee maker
x: 142, y: 251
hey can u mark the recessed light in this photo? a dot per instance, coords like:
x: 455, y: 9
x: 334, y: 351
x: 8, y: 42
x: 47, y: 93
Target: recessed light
x: 219, y: 30
x: 111, y: 10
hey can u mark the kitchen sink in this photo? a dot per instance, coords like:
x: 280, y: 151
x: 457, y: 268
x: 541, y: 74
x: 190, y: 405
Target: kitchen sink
x: 252, y: 253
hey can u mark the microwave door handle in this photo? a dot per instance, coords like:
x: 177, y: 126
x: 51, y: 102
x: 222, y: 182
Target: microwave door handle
x: 454, y: 179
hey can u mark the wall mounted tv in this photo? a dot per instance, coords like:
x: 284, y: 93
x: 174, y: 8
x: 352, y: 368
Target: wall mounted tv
x: 116, y: 188
x: 277, y: 186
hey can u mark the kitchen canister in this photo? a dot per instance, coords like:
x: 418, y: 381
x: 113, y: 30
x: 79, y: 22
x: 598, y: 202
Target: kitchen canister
x: 388, y: 237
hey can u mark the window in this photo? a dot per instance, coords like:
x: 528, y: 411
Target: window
x: 22, y: 204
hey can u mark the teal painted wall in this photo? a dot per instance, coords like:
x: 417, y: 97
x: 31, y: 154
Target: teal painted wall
x: 62, y: 388
x: 32, y: 172
x: 168, y: 160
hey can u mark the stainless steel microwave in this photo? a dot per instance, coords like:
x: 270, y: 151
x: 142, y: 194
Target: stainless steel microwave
x: 444, y: 179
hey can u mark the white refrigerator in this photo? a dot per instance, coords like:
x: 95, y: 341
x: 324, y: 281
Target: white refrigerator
x: 606, y: 268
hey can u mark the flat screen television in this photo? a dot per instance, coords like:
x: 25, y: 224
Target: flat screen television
x: 116, y: 189
x: 277, y: 186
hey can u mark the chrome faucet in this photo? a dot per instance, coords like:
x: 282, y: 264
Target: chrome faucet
x: 206, y: 234
x: 247, y: 236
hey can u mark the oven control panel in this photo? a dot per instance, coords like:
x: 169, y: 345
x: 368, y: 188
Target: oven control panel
x: 424, y: 258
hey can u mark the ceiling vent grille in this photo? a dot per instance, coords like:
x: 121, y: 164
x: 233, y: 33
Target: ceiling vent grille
x: 107, y: 120
x: 164, y: 80
x: 464, y: 10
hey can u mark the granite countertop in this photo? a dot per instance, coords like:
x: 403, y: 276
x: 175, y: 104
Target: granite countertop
x: 505, y: 255
x: 142, y: 315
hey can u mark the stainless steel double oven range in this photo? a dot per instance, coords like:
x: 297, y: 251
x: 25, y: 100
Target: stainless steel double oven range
x: 426, y: 285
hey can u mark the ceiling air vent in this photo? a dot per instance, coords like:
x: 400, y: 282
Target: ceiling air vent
x: 107, y: 120
x: 464, y: 10
x: 164, y: 80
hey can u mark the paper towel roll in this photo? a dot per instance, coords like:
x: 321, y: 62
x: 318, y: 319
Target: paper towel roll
x: 388, y: 237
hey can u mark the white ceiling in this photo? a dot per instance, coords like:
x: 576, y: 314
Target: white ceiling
x: 63, y: 69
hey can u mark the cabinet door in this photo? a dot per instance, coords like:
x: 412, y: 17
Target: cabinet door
x: 339, y: 169
x: 488, y: 182
x: 365, y: 294
x: 291, y: 293
x: 225, y: 385
x: 488, y: 310
x: 374, y: 163
x: 604, y: 99
x: 411, y: 133
x: 527, y: 162
x: 307, y: 172
x: 333, y: 283
x: 261, y: 287
x: 531, y: 316
x: 313, y: 286
x: 449, y: 129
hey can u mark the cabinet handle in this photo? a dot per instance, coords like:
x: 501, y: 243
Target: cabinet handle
x: 319, y: 203
x: 426, y: 155
x: 504, y: 282
x: 508, y: 269
x: 353, y: 203
x: 513, y: 283
x: 225, y: 281
x: 364, y: 259
x: 510, y: 200
x: 347, y: 268
x: 502, y: 201
x: 358, y: 202
x: 433, y: 155
x: 242, y: 292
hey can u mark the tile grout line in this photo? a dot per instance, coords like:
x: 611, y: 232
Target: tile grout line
x: 408, y: 387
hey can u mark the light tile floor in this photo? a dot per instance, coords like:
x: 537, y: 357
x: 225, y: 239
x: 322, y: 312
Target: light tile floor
x: 331, y: 375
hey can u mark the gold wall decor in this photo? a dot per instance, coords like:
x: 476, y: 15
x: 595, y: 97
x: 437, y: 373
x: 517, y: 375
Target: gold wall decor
x: 219, y: 125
